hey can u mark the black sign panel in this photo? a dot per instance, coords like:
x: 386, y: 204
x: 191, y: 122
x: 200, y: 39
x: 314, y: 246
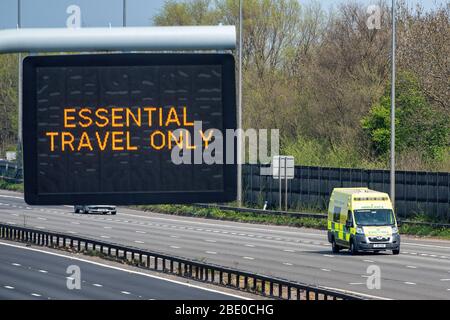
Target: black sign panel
x: 102, y: 129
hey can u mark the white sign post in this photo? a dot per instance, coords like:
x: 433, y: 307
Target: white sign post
x: 283, y: 167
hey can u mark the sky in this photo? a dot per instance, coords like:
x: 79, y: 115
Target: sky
x: 102, y: 13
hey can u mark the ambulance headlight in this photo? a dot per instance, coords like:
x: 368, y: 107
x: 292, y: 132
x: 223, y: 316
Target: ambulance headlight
x: 359, y: 230
x: 394, y: 230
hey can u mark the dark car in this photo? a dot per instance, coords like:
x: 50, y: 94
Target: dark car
x: 102, y: 209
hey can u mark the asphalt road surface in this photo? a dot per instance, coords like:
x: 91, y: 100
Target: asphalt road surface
x: 35, y: 274
x: 421, y: 271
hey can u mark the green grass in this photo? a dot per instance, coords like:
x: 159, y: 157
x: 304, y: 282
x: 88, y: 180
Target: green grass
x: 313, y: 223
x: 5, y: 185
x: 425, y: 231
x: 230, y: 215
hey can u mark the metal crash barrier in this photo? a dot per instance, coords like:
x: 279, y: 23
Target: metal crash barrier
x: 266, y: 286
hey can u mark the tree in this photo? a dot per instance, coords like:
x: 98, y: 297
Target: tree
x: 424, y: 48
x: 418, y: 125
x: 8, y: 101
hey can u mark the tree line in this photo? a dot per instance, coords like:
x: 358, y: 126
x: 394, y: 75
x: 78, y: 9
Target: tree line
x: 323, y: 78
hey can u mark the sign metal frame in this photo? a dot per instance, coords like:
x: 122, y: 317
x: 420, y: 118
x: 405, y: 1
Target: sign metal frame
x: 32, y: 196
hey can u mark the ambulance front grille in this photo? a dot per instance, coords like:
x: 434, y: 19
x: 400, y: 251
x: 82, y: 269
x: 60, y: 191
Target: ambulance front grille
x: 379, y: 239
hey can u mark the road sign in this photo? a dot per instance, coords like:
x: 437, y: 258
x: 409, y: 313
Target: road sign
x: 101, y: 129
x: 283, y: 165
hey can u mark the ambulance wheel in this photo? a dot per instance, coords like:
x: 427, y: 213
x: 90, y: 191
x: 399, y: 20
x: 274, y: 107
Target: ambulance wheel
x: 353, y: 248
x: 396, y: 252
x: 334, y: 247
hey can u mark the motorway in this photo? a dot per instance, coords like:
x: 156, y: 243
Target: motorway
x: 421, y: 271
x: 36, y: 274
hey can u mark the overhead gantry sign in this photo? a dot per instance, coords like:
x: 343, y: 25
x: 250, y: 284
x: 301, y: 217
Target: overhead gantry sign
x: 103, y: 128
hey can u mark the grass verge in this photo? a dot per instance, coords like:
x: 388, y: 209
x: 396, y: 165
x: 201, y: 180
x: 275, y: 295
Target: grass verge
x: 230, y: 215
x: 257, y: 218
x: 6, y: 185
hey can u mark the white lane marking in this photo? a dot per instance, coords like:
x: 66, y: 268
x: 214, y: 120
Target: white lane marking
x: 124, y: 270
x: 326, y: 270
x: 328, y: 255
x: 105, y: 237
x: 43, y: 271
x: 369, y: 261
x: 425, y: 245
x: 16, y: 264
x: 12, y: 197
x: 287, y: 264
x: 410, y: 283
x: 355, y: 283
x: 140, y: 231
x: 211, y: 252
x: 72, y: 232
x: 250, y: 245
x: 175, y: 247
x: 35, y: 294
x: 248, y: 258
x: 107, y: 227
x: 125, y: 292
x: 10, y: 222
x: 445, y: 279
x: 8, y: 287
x: 212, y: 241
x: 138, y: 241
x: 411, y: 267
x: 15, y: 214
x: 175, y: 237
x: 288, y: 250
x: 263, y: 230
x: 40, y: 227
x: 43, y: 219
x: 74, y: 222
x: 97, y: 285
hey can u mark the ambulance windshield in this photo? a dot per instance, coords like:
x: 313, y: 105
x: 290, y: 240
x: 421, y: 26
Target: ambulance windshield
x: 374, y: 217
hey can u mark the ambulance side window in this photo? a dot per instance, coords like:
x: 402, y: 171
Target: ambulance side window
x: 350, y: 218
x: 336, y: 214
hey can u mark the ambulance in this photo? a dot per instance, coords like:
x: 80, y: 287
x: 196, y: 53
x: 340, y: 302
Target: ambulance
x: 360, y: 219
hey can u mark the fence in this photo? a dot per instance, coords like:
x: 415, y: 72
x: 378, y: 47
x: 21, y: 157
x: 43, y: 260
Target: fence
x: 245, y: 281
x: 416, y: 192
x: 10, y: 171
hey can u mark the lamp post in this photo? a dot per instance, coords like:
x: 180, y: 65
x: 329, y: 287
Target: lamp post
x: 392, y: 165
x: 239, y: 115
x: 19, y: 91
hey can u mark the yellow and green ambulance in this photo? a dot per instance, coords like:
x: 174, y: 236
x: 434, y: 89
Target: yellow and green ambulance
x: 360, y: 219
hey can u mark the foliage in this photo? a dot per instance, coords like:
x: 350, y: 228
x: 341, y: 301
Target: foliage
x: 315, y: 76
x: 8, y: 102
x: 5, y: 185
x: 418, y: 125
